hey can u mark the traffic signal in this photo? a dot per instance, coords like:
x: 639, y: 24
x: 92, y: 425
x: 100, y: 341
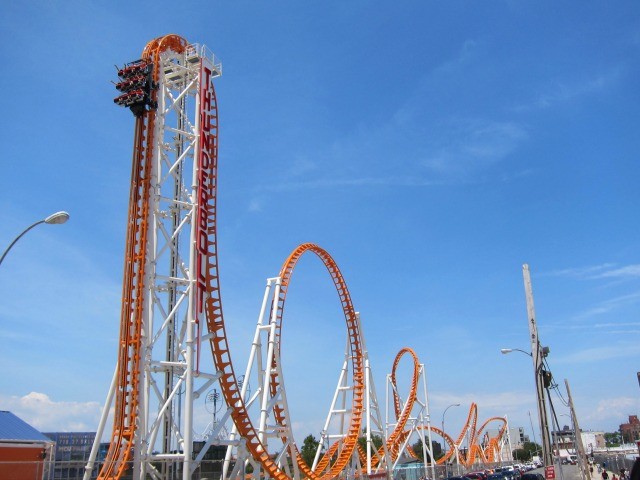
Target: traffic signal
x: 136, y: 84
x: 546, y: 378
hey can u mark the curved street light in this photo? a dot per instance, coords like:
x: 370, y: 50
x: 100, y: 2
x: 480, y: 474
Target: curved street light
x: 541, y: 377
x: 504, y: 351
x: 446, y: 465
x: 53, y: 219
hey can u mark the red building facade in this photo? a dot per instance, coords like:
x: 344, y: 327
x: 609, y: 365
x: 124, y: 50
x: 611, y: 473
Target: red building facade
x: 631, y: 431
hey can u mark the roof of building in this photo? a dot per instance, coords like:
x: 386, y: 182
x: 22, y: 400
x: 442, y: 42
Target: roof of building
x: 16, y: 430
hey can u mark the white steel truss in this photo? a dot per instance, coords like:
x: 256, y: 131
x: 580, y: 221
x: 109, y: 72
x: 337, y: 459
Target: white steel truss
x: 418, y: 422
x: 263, y: 359
x: 174, y: 374
x: 373, y: 423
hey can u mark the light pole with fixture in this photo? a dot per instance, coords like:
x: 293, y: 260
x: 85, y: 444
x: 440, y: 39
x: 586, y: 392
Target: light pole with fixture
x: 540, y: 374
x: 53, y: 219
x: 455, y: 447
x: 542, y: 377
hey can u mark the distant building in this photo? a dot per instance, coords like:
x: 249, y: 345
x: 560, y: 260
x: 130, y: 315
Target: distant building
x: 211, y: 464
x: 24, y: 451
x: 517, y: 436
x: 564, y: 442
x: 630, y: 431
x: 71, y: 453
x: 515, y: 440
x: 592, y: 441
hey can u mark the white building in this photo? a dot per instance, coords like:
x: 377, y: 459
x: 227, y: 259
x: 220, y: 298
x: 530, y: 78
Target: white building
x: 516, y: 439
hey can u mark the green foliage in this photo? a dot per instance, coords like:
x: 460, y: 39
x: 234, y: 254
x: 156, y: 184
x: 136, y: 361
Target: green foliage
x: 308, y: 450
x: 520, y: 454
x: 376, y: 440
x: 613, y: 439
x: 528, y: 450
x: 417, y: 449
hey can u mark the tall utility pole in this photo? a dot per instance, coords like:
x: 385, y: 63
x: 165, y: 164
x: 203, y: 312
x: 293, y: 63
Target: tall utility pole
x: 537, y: 356
x: 582, y: 457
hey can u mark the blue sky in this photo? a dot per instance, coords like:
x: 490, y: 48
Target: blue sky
x: 431, y: 147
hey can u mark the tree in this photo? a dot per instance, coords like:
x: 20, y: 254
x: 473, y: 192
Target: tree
x: 612, y: 439
x: 376, y: 441
x: 417, y: 449
x: 528, y: 450
x: 308, y: 450
x: 521, y: 454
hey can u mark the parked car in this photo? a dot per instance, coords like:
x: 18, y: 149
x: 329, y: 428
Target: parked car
x: 476, y: 475
x: 532, y: 476
x: 496, y: 476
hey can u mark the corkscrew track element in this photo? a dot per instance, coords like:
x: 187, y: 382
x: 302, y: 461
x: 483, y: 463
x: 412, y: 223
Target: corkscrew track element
x: 481, y: 450
x: 402, y: 412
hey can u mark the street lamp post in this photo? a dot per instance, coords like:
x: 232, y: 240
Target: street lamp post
x: 537, y: 355
x: 542, y: 377
x: 542, y: 411
x: 53, y: 219
x: 446, y: 465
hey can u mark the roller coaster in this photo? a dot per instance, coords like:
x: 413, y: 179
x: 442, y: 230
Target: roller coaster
x: 172, y: 308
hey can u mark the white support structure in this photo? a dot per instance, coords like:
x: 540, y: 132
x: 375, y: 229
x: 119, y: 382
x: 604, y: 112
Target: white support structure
x: 264, y: 354
x: 338, y: 413
x: 418, y: 423
x: 507, y: 440
x: 174, y: 374
x: 373, y: 418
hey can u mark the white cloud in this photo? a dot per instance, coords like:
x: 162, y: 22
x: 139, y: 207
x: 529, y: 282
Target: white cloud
x: 622, y: 272
x: 396, y: 181
x: 563, y: 91
x: 255, y: 205
x: 581, y: 272
x: 595, y: 272
x: 469, y: 145
x: 609, y: 305
x: 454, y: 152
x: 515, y: 405
x: 611, y: 409
x: 301, y: 166
x: 483, y: 400
x: 411, y: 148
x: 598, y: 354
x: 48, y: 415
x: 609, y: 325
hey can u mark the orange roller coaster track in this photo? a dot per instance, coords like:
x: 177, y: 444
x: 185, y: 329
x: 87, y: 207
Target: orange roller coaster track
x: 402, y: 412
x: 348, y: 444
x: 133, y: 288
x: 134, y: 434
x: 481, y: 450
x: 128, y: 378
